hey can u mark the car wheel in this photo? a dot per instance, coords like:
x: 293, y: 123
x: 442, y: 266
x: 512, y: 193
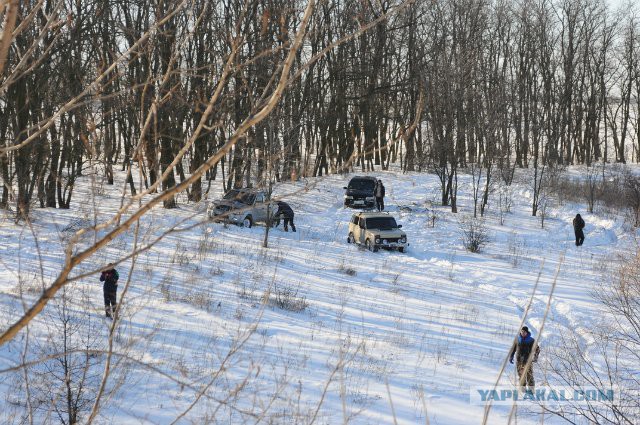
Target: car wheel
x: 351, y: 239
x: 370, y: 246
x: 247, y: 222
x: 401, y: 249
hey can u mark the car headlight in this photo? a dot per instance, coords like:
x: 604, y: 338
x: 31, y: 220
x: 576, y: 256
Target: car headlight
x: 371, y: 198
x: 348, y: 197
x: 403, y: 240
x: 377, y: 240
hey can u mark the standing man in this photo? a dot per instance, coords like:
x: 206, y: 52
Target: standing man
x: 522, y: 348
x: 286, y: 212
x: 110, y: 278
x: 578, y: 225
x: 379, y: 194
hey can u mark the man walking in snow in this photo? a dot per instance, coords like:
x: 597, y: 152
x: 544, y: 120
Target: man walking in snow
x: 522, y: 348
x: 379, y: 194
x: 286, y: 212
x: 578, y: 225
x: 110, y: 287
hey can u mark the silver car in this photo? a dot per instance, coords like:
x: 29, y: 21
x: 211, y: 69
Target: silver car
x: 243, y: 206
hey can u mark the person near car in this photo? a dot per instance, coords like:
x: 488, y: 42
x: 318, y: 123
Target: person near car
x: 522, y: 349
x: 578, y: 226
x: 379, y: 194
x: 109, y: 289
x: 285, y: 212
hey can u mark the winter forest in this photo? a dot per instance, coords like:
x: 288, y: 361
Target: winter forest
x: 491, y: 123
x: 273, y: 94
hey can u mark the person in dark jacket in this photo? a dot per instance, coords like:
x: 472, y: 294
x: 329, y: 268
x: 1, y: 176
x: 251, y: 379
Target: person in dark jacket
x: 110, y: 287
x: 522, y: 348
x: 379, y: 194
x: 284, y: 211
x: 578, y: 226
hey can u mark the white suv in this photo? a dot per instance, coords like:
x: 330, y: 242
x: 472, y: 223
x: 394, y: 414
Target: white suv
x: 376, y: 230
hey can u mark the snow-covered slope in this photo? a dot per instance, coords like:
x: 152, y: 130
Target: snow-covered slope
x: 380, y: 336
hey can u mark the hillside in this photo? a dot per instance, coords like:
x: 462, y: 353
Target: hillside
x: 311, y: 328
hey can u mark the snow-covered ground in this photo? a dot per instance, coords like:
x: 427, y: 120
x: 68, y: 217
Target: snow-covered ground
x: 383, y: 337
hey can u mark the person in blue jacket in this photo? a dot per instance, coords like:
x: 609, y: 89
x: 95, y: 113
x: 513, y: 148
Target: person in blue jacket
x: 522, y: 350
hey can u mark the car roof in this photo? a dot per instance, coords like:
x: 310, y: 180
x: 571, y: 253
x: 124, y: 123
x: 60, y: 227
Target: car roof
x: 371, y: 214
x: 363, y: 178
x: 247, y: 189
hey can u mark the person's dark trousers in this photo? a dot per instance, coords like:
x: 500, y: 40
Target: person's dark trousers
x: 380, y: 203
x: 579, y: 237
x: 525, y: 377
x: 110, y: 300
x: 287, y: 221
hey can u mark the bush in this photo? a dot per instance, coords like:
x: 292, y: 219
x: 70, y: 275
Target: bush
x: 474, y: 234
x: 286, y: 298
x: 206, y: 244
x: 517, y: 247
x: 632, y: 195
x: 347, y: 270
x: 181, y: 255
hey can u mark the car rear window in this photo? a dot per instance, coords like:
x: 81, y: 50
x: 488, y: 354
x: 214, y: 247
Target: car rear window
x: 382, y: 223
x: 232, y: 194
x: 238, y: 195
x: 362, y: 184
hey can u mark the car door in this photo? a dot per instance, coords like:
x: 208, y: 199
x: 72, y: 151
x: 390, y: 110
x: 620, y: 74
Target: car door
x: 361, y: 230
x: 260, y: 208
x: 353, y: 227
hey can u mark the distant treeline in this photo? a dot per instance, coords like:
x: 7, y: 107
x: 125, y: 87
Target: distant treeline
x: 428, y: 85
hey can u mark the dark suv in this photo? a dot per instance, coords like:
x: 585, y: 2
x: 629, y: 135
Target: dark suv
x: 360, y: 192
